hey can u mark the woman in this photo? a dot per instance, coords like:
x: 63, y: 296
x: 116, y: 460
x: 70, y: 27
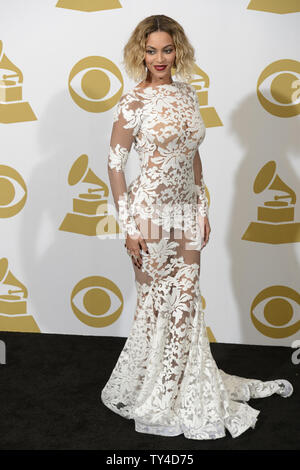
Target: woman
x: 166, y: 378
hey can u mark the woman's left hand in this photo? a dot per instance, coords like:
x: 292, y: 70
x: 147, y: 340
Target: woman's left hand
x: 205, y: 230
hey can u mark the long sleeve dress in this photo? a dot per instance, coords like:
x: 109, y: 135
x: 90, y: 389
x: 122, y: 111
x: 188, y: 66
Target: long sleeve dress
x: 165, y: 378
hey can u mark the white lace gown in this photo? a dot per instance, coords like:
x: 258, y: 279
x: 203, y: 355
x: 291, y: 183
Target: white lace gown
x: 165, y: 378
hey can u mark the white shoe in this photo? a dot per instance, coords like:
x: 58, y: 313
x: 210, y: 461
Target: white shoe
x: 286, y: 388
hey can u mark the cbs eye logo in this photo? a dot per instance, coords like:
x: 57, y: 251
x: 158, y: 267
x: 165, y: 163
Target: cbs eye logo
x: 12, y: 186
x: 96, y: 306
x: 91, y: 80
x: 278, y: 88
x: 280, y: 304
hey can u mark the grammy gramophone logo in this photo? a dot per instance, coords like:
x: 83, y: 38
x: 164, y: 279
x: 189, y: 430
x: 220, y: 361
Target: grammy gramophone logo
x: 13, y: 304
x: 12, y: 106
x: 210, y: 334
x: 275, y: 218
x: 90, y: 211
x: 275, y: 6
x: 97, y: 301
x: 201, y: 85
x: 89, y: 5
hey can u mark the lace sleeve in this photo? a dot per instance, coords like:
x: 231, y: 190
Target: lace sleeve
x: 202, y: 200
x: 126, y: 120
x: 198, y: 171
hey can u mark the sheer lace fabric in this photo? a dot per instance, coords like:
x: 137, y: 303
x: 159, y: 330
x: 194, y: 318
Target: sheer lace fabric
x: 166, y: 378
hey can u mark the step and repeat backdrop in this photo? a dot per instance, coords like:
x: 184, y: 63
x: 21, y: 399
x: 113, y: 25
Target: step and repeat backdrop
x: 63, y: 265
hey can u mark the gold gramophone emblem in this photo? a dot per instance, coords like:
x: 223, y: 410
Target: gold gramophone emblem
x: 13, y: 306
x: 12, y: 106
x: 208, y: 113
x: 209, y: 332
x: 90, y: 214
x: 275, y: 6
x: 275, y: 219
x: 89, y: 5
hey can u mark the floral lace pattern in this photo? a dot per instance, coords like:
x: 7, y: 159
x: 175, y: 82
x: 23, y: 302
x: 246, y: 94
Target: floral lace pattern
x: 165, y: 127
x: 165, y: 378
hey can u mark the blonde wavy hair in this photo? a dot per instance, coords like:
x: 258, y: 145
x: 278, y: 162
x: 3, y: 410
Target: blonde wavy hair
x: 134, y: 50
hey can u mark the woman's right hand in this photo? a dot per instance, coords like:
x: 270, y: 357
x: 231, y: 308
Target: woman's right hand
x: 204, y: 229
x: 134, y: 245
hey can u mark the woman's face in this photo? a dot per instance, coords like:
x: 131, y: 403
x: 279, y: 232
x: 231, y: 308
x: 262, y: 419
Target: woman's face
x: 160, y: 50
